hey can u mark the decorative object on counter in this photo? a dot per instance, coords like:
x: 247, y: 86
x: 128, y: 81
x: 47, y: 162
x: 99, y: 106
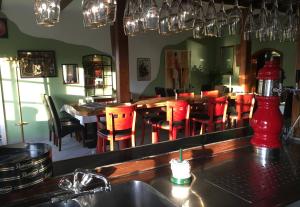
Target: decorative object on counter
x: 181, y: 170
x: 84, y: 182
x: 70, y: 73
x: 24, y: 165
x: 47, y: 12
x: 3, y: 28
x: 143, y: 69
x: 37, y: 64
x: 267, y: 120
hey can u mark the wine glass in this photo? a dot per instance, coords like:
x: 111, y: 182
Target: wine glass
x: 150, y: 14
x: 47, y: 12
x: 249, y: 25
x: 211, y: 17
x: 275, y: 28
x: 262, y: 25
x: 199, y: 29
x: 138, y: 17
x: 235, y: 18
x: 288, y: 25
x: 111, y: 11
x: 174, y: 18
x: 296, y: 21
x: 129, y: 22
x: 222, y: 21
x: 186, y: 15
x: 94, y: 13
x: 164, y: 18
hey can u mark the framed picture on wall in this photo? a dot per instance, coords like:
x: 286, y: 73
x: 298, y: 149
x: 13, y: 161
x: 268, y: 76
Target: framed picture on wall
x: 36, y: 64
x: 3, y: 28
x: 143, y: 69
x: 70, y: 73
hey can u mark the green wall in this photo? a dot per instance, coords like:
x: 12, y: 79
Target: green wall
x: 31, y: 90
x: 288, y: 49
x: 204, y: 53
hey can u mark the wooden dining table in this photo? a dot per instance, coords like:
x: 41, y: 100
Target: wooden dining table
x: 95, y: 108
x: 87, y: 113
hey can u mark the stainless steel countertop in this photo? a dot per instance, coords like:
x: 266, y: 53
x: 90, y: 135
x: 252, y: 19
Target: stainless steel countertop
x: 242, y: 180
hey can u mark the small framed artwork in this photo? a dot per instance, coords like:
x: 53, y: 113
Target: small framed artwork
x: 3, y: 28
x: 143, y: 69
x: 37, y: 64
x: 70, y: 73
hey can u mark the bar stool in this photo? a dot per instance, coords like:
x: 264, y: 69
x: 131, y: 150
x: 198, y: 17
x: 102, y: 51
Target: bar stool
x: 216, y: 114
x: 120, y: 126
x: 244, y: 105
x: 178, y: 112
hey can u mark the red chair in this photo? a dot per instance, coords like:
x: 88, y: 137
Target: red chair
x: 213, y: 93
x: 178, y: 112
x: 120, y: 125
x: 187, y: 94
x: 244, y: 105
x: 216, y: 114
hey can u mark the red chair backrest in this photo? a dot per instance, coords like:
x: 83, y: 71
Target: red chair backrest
x: 177, y: 110
x: 244, y: 103
x: 188, y: 94
x: 120, y: 117
x: 247, y: 102
x: 217, y: 107
x: 213, y: 94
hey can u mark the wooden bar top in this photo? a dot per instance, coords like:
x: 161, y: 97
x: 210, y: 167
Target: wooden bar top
x: 116, y: 165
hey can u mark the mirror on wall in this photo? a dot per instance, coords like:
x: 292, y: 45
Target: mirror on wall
x: 70, y: 73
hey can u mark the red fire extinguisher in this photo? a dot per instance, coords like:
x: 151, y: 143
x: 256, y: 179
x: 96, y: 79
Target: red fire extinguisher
x: 267, y: 121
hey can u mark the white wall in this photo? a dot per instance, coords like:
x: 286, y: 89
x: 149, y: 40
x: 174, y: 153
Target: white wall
x: 149, y: 45
x: 70, y: 28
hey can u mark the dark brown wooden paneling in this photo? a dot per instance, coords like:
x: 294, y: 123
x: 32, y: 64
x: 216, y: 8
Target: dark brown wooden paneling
x: 119, y: 43
x: 243, y: 59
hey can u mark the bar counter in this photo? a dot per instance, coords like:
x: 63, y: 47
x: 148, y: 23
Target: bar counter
x: 225, y: 172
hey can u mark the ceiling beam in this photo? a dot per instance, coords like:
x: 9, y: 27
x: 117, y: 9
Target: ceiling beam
x: 63, y: 4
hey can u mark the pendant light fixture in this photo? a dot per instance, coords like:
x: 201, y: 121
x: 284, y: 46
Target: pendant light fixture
x: 47, y: 12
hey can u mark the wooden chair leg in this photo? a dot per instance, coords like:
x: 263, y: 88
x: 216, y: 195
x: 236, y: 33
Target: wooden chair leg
x: 50, y: 135
x: 111, y: 144
x: 154, y: 135
x: 193, y: 128
x: 132, y: 140
x: 104, y: 144
x: 100, y: 145
x: 143, y: 132
x: 174, y: 133
x: 59, y: 143
x: 202, y: 129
